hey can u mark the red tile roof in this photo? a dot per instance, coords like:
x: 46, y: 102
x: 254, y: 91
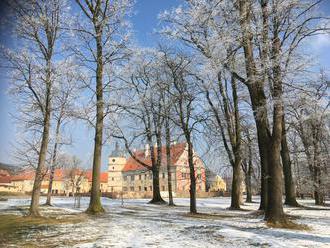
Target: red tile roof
x: 24, y: 175
x: 104, y: 176
x: 4, y: 176
x: 176, y: 151
x: 59, y: 175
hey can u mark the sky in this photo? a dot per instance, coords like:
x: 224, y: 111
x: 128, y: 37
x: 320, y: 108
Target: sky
x: 144, y: 22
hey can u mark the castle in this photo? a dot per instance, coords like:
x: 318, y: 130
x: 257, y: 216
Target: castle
x: 126, y: 175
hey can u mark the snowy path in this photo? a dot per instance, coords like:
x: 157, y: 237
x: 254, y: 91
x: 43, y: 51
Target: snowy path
x: 139, y: 224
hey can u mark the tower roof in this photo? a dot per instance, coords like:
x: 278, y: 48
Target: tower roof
x: 117, y: 152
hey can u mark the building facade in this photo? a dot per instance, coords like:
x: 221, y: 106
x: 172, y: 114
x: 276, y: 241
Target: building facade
x: 65, y: 182
x: 129, y: 176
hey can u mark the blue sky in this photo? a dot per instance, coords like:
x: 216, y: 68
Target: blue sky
x: 144, y: 22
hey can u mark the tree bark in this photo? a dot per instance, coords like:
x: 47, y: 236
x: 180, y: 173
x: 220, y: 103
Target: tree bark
x: 34, y: 205
x: 256, y: 91
x: 236, y: 189
x: 95, y: 206
x: 52, y: 170
x: 156, y: 197
x: 192, y: 191
x: 290, y: 192
x: 274, y: 211
x: 248, y: 186
x: 248, y: 176
x: 168, y: 162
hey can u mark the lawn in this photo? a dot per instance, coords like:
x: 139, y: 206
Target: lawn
x: 139, y: 224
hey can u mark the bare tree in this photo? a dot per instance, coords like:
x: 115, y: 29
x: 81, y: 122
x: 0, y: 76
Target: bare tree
x: 142, y: 107
x: 310, y: 115
x: 73, y: 174
x: 64, y: 98
x: 265, y: 36
x: 102, y: 42
x: 38, y: 28
x: 185, y: 95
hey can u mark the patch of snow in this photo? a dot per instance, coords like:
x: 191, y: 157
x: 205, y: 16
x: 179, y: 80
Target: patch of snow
x: 139, y: 224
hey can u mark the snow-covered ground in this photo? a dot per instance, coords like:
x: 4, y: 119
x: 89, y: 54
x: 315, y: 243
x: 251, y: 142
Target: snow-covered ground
x: 138, y: 224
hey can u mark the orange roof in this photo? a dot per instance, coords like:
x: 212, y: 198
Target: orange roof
x: 176, y: 151
x: 4, y: 176
x: 59, y: 175
x: 24, y: 175
x: 104, y: 176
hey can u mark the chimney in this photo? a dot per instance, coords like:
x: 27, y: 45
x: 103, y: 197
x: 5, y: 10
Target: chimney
x: 147, y: 150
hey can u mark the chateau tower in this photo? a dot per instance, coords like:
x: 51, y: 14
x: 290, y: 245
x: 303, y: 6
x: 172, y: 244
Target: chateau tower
x: 116, y: 164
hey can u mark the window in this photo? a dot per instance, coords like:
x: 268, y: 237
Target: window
x: 113, y: 168
x: 125, y: 178
x: 132, y: 178
x: 111, y: 189
x: 140, y: 188
x: 145, y: 189
x: 150, y: 188
x: 145, y: 176
x: 140, y: 177
x: 163, y: 188
x: 163, y: 175
x: 132, y: 188
x: 199, y: 176
x: 113, y: 179
x: 183, y: 175
x: 124, y: 188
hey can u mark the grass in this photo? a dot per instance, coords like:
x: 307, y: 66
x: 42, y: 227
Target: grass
x: 208, y: 216
x: 288, y: 224
x: 5, y: 193
x: 14, y: 228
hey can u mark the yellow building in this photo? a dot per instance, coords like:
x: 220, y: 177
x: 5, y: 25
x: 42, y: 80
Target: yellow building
x: 65, y: 181
x: 218, y: 184
x: 129, y: 176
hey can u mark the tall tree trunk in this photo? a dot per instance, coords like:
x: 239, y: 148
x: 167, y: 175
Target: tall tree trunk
x: 156, y: 197
x: 274, y: 211
x: 256, y: 90
x: 290, y: 192
x: 192, y: 191
x: 34, y: 205
x: 258, y: 100
x: 52, y: 169
x: 236, y: 189
x: 95, y: 205
x: 318, y: 194
x: 248, y: 186
x: 168, y: 162
x: 236, y: 140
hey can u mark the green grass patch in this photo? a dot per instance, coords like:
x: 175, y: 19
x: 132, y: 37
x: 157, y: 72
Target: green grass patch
x: 288, y: 224
x: 15, y: 228
x: 208, y: 216
x: 5, y: 193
